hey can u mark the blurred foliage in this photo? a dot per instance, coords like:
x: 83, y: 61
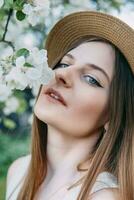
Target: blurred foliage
x: 2, y: 188
x: 16, y: 122
x: 11, y: 147
x: 105, y: 5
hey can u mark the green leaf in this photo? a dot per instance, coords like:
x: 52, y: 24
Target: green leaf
x: 2, y: 14
x: 8, y: 4
x: 18, y: 4
x: 2, y: 104
x: 9, y: 123
x: 20, y: 15
x: 22, y: 52
x: 28, y: 65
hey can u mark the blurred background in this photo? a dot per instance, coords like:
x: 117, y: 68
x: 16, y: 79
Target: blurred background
x: 17, y: 32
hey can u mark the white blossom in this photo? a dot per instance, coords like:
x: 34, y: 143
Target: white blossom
x: 42, y: 73
x: 32, y: 102
x: 20, y: 61
x: 27, y: 9
x: 11, y: 105
x: 6, y: 64
x: 33, y: 18
x: 19, y: 75
x: 5, y: 51
x: 5, y: 92
x: 33, y: 75
x: 37, y: 57
x: 1, y: 3
x: 35, y: 88
x: 43, y: 3
x: 82, y: 3
x: 37, y: 12
x: 47, y: 75
x: 1, y: 72
x: 16, y: 79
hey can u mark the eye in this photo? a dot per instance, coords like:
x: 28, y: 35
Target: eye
x: 93, y: 81
x: 60, y: 65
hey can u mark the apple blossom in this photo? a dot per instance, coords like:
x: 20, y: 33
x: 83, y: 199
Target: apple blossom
x: 1, y: 72
x: 30, y: 69
x: 42, y: 3
x: 16, y: 79
x: 82, y: 3
x: 37, y: 11
x: 37, y: 57
x: 11, y: 105
x: 5, y: 92
x: 20, y: 61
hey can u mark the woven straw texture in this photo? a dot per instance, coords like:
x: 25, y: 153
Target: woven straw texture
x: 85, y: 23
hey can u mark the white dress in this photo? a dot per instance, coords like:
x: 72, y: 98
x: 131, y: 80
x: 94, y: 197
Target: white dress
x: 104, y: 180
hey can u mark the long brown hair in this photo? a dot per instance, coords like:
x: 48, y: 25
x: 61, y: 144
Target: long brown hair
x: 114, y: 151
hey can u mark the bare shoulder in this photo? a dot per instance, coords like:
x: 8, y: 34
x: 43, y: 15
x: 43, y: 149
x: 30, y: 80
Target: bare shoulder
x: 106, y: 194
x: 16, y: 173
x: 18, y: 166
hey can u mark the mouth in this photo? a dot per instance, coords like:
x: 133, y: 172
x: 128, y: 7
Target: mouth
x: 55, y: 96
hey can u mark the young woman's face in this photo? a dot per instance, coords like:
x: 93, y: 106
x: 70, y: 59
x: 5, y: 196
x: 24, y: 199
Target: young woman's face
x: 83, y: 79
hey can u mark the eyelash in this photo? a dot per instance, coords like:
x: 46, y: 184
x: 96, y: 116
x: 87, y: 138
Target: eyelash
x: 96, y: 82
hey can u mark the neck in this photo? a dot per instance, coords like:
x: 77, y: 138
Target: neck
x: 64, y: 152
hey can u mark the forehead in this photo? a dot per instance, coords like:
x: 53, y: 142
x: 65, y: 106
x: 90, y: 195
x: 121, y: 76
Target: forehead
x: 98, y: 53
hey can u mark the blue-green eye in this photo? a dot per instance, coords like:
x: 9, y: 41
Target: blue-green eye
x: 60, y: 65
x: 91, y: 79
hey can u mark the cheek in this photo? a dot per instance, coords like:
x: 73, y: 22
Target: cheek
x: 40, y: 107
x: 90, y: 110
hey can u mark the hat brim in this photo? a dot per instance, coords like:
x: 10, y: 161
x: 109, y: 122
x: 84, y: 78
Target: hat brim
x: 89, y: 23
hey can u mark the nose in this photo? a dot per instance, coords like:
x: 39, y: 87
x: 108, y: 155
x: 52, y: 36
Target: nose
x: 64, y: 77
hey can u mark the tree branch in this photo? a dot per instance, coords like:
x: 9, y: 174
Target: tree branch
x: 7, y: 23
x: 6, y: 29
x: 9, y: 43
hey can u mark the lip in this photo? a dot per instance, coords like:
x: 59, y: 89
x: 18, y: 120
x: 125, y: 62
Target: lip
x: 61, y: 99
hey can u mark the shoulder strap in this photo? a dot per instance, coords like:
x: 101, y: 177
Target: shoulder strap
x: 103, y: 181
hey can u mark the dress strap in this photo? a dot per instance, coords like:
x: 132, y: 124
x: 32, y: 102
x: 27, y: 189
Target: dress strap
x: 103, y: 181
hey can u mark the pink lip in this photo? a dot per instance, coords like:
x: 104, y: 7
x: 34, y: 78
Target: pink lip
x: 61, y: 99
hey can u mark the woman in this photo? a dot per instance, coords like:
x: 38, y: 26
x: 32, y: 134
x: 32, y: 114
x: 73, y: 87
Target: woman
x: 82, y: 144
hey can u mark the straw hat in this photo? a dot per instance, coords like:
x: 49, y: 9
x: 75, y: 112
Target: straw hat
x: 76, y: 25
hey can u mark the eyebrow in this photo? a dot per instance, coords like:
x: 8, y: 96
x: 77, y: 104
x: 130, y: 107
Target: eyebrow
x: 92, y: 66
